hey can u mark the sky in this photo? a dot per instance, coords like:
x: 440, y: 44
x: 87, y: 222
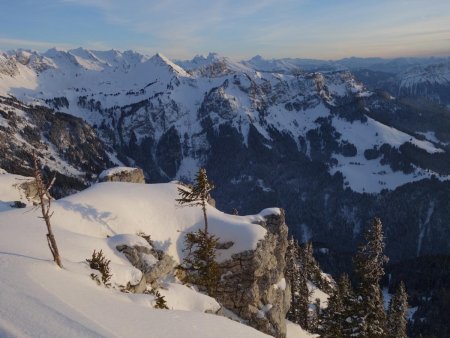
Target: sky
x: 321, y: 29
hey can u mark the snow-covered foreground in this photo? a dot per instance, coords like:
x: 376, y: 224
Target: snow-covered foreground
x: 38, y: 299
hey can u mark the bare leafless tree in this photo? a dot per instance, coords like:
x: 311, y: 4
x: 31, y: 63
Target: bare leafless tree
x: 45, y: 201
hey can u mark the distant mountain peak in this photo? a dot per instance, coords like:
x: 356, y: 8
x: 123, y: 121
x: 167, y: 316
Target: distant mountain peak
x: 161, y: 60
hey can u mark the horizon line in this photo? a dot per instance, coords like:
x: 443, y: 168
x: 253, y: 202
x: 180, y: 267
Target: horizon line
x: 205, y: 55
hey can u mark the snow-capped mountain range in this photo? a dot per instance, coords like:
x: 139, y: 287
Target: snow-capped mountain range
x: 101, y: 87
x: 296, y: 137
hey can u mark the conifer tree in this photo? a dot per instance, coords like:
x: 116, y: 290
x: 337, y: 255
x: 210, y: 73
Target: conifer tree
x: 349, y: 316
x: 314, y: 273
x: 398, y: 314
x: 337, y: 320
x: 332, y: 316
x: 369, y: 262
x: 200, y: 263
x: 197, y: 195
x: 296, y: 276
x: 314, y: 317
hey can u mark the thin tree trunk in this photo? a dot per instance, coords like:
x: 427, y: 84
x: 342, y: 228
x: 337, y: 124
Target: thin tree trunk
x: 204, y: 216
x: 45, y: 209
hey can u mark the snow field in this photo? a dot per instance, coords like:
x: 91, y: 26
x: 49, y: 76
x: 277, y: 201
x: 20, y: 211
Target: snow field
x: 38, y: 299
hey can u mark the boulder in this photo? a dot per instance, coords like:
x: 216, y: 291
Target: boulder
x: 122, y: 174
x: 154, y: 265
x: 163, y: 267
x: 30, y: 190
x: 140, y: 287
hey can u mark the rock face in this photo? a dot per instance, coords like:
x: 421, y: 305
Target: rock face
x: 253, y: 285
x: 122, y: 174
x: 66, y: 144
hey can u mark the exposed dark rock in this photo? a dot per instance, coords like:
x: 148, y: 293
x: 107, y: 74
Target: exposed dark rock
x: 65, y: 143
x: 168, y: 152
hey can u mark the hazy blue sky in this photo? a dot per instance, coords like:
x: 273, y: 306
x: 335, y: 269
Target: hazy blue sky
x: 326, y: 29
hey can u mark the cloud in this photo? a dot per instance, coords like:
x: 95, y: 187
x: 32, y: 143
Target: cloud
x: 11, y: 43
x: 8, y: 43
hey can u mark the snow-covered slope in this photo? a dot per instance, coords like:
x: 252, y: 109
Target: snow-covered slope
x: 431, y: 82
x: 10, y: 190
x: 64, y: 143
x: 436, y: 74
x: 369, y: 175
x: 38, y: 299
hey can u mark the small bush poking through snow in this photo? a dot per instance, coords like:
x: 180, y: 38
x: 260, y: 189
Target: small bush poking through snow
x: 146, y: 237
x: 160, y: 301
x: 100, y: 263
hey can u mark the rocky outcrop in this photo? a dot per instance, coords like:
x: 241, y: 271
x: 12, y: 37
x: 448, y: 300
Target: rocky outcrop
x: 122, y: 174
x: 253, y: 285
x: 154, y: 264
x: 29, y: 188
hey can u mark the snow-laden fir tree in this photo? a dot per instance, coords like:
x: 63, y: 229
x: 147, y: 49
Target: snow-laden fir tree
x: 339, y: 318
x: 314, y: 316
x: 398, y: 314
x: 296, y: 275
x: 314, y: 273
x: 369, y: 262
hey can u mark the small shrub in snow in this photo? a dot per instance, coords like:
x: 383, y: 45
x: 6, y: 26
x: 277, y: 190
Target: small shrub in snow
x: 100, y: 263
x: 146, y: 237
x: 160, y: 301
